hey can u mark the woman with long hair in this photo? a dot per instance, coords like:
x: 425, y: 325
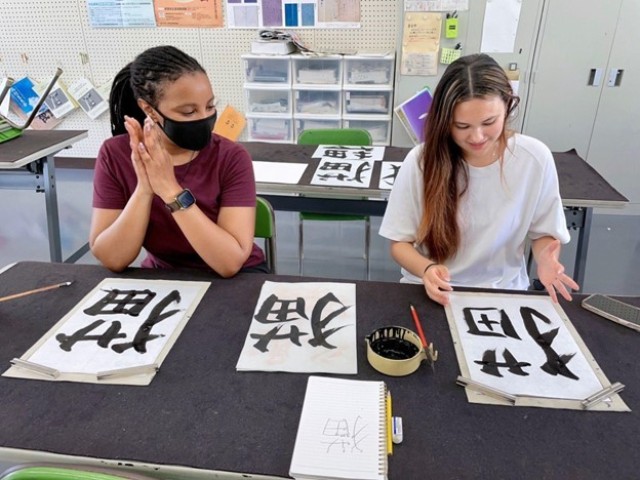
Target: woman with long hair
x: 465, y: 202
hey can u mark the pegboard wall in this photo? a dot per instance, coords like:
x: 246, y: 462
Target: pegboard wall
x: 37, y: 37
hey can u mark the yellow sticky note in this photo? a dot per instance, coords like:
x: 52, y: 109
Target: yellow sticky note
x: 449, y: 55
x: 230, y: 123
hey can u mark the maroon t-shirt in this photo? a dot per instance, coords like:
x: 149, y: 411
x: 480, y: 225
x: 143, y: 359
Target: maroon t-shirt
x: 221, y: 175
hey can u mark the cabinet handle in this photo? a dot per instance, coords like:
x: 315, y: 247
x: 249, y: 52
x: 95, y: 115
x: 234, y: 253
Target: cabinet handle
x: 595, y: 77
x: 615, y: 77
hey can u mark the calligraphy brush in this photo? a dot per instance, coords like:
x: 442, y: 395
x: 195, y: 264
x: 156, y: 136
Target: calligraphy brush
x: 35, y: 290
x: 432, y: 355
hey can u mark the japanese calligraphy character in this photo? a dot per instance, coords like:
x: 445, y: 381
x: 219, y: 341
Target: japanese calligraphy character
x: 142, y: 336
x: 341, y: 435
x: 346, y: 166
x: 488, y: 318
x: 263, y: 339
x: 332, y: 153
x: 490, y: 365
x: 282, y: 314
x: 276, y: 310
x: 556, y: 364
x: 68, y: 341
x: 390, y: 178
x: 119, y: 300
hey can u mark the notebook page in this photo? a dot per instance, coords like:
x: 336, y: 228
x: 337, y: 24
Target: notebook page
x: 341, y: 432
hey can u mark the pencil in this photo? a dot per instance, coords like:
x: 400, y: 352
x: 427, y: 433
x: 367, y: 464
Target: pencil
x: 416, y: 320
x: 36, y: 290
x: 389, y: 424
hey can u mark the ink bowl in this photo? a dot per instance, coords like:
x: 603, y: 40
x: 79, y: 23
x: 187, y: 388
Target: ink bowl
x: 394, y: 351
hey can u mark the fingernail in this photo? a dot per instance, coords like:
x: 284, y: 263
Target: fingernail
x: 141, y: 146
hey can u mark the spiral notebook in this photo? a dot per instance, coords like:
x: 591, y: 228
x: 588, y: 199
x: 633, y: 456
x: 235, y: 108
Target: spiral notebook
x: 342, y: 432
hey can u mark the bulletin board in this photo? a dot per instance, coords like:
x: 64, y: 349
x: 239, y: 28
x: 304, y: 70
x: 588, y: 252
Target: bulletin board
x: 37, y: 37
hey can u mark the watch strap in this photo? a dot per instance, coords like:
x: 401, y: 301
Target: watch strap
x: 181, y: 201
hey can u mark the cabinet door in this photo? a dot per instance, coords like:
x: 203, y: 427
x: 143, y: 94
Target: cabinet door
x: 615, y: 144
x: 576, y: 37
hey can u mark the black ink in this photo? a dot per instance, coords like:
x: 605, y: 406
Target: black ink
x: 282, y: 313
x: 143, y: 335
x: 68, y: 341
x: 294, y: 309
x: 365, y: 167
x: 346, y: 166
x: 394, y: 348
x: 338, y: 176
x: 390, y: 179
x: 331, y: 153
x: 556, y: 364
x: 491, y: 366
x: 474, y: 329
x: 119, y: 299
x: 263, y: 339
x: 318, y: 323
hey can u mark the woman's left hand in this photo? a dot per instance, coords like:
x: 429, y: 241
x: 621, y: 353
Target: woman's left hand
x: 158, y: 163
x: 551, y: 272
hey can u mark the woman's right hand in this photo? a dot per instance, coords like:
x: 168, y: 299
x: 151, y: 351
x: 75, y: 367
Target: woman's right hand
x: 134, y: 129
x: 436, y: 283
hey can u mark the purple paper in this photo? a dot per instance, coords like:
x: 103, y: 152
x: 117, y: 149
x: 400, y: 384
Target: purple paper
x: 415, y: 110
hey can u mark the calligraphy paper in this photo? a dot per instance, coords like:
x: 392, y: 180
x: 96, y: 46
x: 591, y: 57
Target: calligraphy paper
x: 523, y: 345
x: 120, y: 324
x: 278, y: 172
x: 302, y: 327
x: 388, y: 173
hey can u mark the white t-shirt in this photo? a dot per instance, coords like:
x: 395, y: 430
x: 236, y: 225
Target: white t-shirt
x: 497, y: 213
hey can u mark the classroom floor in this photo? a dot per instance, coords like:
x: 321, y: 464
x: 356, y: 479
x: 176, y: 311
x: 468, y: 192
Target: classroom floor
x: 332, y: 250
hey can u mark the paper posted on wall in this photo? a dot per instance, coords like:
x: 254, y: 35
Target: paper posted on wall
x: 89, y: 98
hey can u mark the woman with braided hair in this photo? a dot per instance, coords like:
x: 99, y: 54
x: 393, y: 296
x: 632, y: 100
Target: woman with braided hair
x: 465, y: 202
x: 164, y: 181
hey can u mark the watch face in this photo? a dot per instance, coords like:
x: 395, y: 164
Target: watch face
x: 185, y: 198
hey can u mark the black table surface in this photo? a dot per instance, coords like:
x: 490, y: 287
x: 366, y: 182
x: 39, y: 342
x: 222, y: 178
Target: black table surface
x: 578, y: 180
x: 33, y: 141
x: 199, y: 412
x: 580, y: 183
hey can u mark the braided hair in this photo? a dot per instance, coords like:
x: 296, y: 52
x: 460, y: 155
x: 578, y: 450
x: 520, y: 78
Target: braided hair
x: 145, y: 78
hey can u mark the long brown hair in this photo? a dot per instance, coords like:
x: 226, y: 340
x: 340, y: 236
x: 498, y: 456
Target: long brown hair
x: 445, y: 173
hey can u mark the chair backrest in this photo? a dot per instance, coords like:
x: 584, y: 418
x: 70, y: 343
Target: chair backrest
x: 335, y: 136
x: 266, y: 228
x: 68, y: 472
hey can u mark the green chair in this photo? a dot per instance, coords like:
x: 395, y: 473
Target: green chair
x: 266, y: 229
x: 68, y: 472
x: 334, y: 136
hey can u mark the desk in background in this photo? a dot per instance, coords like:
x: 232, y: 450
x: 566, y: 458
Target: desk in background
x: 27, y: 163
x: 581, y: 188
x: 199, y: 412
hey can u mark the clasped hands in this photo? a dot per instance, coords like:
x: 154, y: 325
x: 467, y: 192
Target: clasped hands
x: 152, y: 163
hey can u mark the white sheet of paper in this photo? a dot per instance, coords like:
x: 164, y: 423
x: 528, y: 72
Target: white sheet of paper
x: 343, y: 173
x: 537, y: 382
x: 279, y: 172
x: 315, y: 324
x: 88, y: 357
x: 341, y: 152
x: 501, y: 18
x: 435, y: 5
x: 388, y: 173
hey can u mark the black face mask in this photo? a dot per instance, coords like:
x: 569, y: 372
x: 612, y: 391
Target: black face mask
x: 191, y: 135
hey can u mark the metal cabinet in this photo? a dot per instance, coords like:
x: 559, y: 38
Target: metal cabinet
x: 585, y: 77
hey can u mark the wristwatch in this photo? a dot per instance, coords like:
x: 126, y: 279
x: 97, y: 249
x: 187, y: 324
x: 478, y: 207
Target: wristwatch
x: 182, y: 201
